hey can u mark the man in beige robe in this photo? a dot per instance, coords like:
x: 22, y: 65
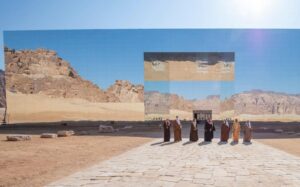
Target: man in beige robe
x: 177, y: 130
x: 236, y: 128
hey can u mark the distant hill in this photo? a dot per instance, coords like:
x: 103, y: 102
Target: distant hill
x: 42, y: 71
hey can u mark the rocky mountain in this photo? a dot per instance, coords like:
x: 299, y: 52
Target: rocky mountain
x: 124, y: 91
x: 42, y: 71
x: 252, y: 102
x: 262, y: 102
x: 2, y: 89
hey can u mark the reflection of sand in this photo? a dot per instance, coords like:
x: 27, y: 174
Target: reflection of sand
x: 227, y: 114
x: 186, y: 115
x: 152, y: 74
x: 188, y: 70
x: 172, y: 115
x: 2, y: 111
x: 270, y: 117
x: 41, y: 108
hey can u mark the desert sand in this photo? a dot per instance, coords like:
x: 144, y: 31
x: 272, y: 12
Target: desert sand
x: 41, y: 108
x: 290, y: 145
x: 40, y: 161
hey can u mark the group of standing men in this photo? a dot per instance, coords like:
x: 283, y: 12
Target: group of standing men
x: 176, y: 127
x: 209, y: 129
x: 236, y: 128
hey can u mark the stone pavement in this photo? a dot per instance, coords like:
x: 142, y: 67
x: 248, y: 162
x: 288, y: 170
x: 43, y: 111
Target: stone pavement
x: 193, y: 164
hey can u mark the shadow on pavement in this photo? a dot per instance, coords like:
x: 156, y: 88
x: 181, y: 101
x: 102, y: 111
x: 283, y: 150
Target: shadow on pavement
x: 234, y: 143
x: 247, y: 143
x: 204, y: 143
x: 189, y: 142
x: 222, y: 143
x: 157, y: 143
x: 168, y: 143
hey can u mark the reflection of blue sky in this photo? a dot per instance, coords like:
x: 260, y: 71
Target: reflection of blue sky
x: 160, y: 86
x: 265, y: 59
x: 192, y: 89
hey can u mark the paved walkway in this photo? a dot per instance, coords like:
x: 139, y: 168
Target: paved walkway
x: 193, y: 164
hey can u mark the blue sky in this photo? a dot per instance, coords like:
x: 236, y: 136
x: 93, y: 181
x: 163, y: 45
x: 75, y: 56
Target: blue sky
x: 103, y: 14
x: 119, y: 14
x: 265, y: 59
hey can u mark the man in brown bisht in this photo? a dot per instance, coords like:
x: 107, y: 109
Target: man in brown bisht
x: 177, y: 130
x: 167, y: 126
x: 225, y: 131
x: 236, y: 128
x: 194, y: 131
x: 209, y: 129
x: 247, y: 131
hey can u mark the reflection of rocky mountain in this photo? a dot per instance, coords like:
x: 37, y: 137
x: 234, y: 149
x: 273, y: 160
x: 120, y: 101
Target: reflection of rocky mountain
x: 44, y: 72
x: 260, y: 102
x: 2, y: 90
x: 252, y: 102
x: 157, y: 103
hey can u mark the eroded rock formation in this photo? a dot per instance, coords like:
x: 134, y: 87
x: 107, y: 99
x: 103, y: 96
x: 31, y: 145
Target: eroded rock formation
x: 42, y: 71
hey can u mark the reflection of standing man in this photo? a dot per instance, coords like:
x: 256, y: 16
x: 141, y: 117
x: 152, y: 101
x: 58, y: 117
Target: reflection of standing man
x: 177, y: 130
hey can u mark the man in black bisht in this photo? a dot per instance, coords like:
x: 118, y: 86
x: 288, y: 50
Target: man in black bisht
x: 209, y: 129
x: 166, y: 126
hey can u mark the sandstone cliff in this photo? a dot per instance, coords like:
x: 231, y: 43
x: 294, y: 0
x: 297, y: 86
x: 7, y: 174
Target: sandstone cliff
x: 124, y: 91
x: 42, y: 71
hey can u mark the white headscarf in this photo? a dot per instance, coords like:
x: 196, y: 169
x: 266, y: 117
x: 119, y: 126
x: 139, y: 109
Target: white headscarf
x: 177, y: 120
x: 226, y: 123
x: 248, y: 124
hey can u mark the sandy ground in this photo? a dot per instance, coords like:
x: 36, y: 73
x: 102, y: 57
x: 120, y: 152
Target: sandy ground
x: 41, y: 108
x: 40, y: 161
x: 187, y: 70
x: 288, y: 145
x: 37, y: 108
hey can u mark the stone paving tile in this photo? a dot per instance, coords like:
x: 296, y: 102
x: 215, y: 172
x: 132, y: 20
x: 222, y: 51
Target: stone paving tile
x: 192, y: 164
